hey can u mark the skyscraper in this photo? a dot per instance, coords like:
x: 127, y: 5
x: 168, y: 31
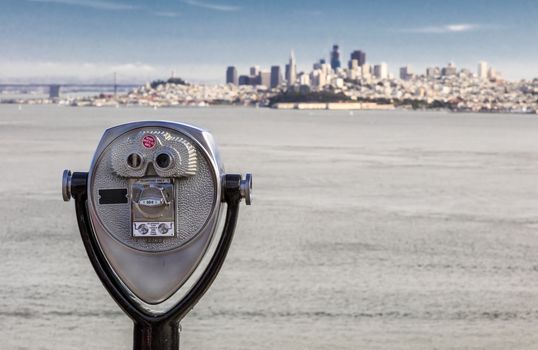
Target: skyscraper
x: 366, y: 71
x: 244, y: 80
x: 254, y: 71
x: 335, y: 57
x: 304, y: 79
x: 264, y: 79
x: 354, y: 69
x: 315, y: 78
x: 358, y: 55
x: 482, y: 70
x: 276, y: 76
x: 449, y: 70
x: 381, y: 71
x: 231, y: 75
x: 292, y: 70
x: 406, y: 72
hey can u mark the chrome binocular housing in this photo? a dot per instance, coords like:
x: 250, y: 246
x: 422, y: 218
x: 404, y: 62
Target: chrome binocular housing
x: 148, y: 211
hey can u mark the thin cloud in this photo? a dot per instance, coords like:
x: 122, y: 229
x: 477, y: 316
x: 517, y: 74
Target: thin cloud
x: 212, y: 6
x: 46, y: 71
x: 169, y: 14
x: 448, y: 28
x: 95, y: 4
x: 102, y: 72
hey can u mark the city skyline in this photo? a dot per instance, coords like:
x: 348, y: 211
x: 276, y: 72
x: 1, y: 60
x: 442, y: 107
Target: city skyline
x: 90, y: 39
x: 334, y: 72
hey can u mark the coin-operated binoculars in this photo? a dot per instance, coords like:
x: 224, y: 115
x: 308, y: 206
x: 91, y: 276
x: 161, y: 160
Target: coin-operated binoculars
x: 148, y: 212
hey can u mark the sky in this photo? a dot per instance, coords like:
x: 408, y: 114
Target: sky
x: 141, y: 40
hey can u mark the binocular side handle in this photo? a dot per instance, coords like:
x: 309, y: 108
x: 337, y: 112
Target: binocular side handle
x: 159, y: 332
x: 233, y: 185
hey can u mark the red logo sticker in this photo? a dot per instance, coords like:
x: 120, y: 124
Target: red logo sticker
x: 149, y: 141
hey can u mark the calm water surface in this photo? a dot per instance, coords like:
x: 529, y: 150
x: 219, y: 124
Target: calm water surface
x: 369, y: 230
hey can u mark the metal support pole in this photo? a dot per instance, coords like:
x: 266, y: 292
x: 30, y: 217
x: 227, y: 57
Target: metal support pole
x: 156, y: 336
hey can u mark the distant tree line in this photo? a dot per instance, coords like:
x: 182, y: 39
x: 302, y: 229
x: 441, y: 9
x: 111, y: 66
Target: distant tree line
x: 176, y: 81
x: 312, y: 96
x: 294, y: 96
x: 408, y: 102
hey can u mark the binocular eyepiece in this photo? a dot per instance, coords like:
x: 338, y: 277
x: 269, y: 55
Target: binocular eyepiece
x: 148, y: 211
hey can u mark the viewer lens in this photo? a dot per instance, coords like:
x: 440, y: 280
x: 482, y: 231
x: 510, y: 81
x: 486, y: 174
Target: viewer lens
x: 163, y: 160
x: 134, y: 160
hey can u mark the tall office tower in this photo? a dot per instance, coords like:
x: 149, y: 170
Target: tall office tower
x: 366, y: 71
x: 231, y: 76
x: 318, y: 77
x: 276, y: 76
x: 319, y: 64
x: 358, y: 55
x: 449, y: 70
x: 304, y: 79
x: 354, y: 69
x: 406, y: 72
x: 482, y: 70
x: 291, y: 77
x: 326, y: 68
x: 381, y: 71
x: 314, y: 78
x: 254, y: 71
x: 264, y: 79
x: 244, y: 80
x: 322, y: 80
x: 335, y: 57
